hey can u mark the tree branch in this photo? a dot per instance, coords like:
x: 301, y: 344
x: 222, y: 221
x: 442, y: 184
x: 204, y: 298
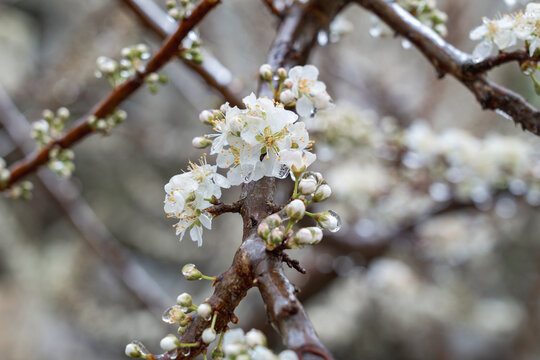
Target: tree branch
x: 448, y: 60
x: 117, y: 259
x: 115, y: 97
x: 156, y: 20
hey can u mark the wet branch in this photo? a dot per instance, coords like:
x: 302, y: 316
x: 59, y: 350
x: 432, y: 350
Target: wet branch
x: 448, y: 60
x: 115, y: 97
x: 157, y: 21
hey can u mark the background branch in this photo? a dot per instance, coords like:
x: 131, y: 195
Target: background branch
x: 115, y: 97
x: 448, y: 60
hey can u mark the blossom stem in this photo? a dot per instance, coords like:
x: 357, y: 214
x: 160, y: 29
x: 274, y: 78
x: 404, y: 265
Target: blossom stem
x: 295, y: 192
x: 289, y: 225
x: 211, y: 278
x: 195, y: 344
x: 310, y: 214
x: 214, y: 320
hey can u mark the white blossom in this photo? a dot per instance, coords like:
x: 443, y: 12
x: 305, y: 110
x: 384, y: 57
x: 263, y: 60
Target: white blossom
x: 187, y: 197
x: 310, y: 93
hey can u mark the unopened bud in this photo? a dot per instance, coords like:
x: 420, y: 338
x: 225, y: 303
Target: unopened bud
x: 169, y: 343
x: 190, y: 272
x: 133, y: 350
x: 282, y: 73
x: 296, y: 209
x: 255, y: 338
x: 316, y: 234
x: 152, y: 78
x: 307, y: 185
x: 63, y: 113
x: 209, y: 335
x: 323, y: 192
x: 184, y: 300
x: 206, y: 117
x: 287, y: 355
x: 263, y: 230
x: 273, y: 220
x: 48, y: 115
x: 287, y: 97
x: 200, y: 142
x: 266, y: 72
x: 204, y: 311
x: 329, y: 220
x: 275, y: 238
x: 304, y: 237
x: 288, y: 83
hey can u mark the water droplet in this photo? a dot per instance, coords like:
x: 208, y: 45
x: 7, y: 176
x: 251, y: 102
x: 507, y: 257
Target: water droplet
x: 440, y: 192
x: 144, y: 351
x: 283, y: 172
x: 322, y: 38
x: 185, y: 351
x: 173, y: 314
x: 503, y: 114
x: 335, y: 225
x: 406, y: 44
x: 173, y: 354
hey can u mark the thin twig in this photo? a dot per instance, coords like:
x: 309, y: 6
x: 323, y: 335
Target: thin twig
x: 448, y: 60
x: 156, y: 20
x: 115, y: 97
x: 134, y: 278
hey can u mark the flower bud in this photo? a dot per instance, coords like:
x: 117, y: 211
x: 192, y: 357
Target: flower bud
x: 282, y: 73
x: 266, y: 72
x: 288, y: 355
x: 288, y: 83
x: 323, y: 192
x: 307, y: 185
x: 329, y: 220
x: 287, y: 97
x: 152, y: 78
x: 316, y: 234
x: 273, y: 220
x: 169, y: 343
x: 133, y: 350
x: 318, y: 176
x: 120, y: 116
x: 304, y: 237
x: 184, y: 300
x: 190, y: 272
x: 48, y: 115
x: 4, y: 175
x: 170, y: 4
x: 63, y: 113
x: 263, y: 230
x: 206, y: 117
x: 322, y: 100
x: 275, y: 238
x: 296, y: 209
x: 200, y: 142
x: 106, y: 65
x: 204, y: 311
x: 209, y: 335
x: 255, y: 338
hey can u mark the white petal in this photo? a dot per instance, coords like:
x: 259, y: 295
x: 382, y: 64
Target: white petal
x: 206, y: 221
x: 196, y: 234
x: 482, y: 50
x: 310, y: 72
x: 304, y: 107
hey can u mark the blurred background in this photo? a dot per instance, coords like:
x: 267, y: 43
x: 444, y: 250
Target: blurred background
x: 439, y: 254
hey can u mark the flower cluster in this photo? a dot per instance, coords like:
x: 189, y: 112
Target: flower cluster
x: 251, y: 346
x: 107, y: 124
x: 299, y: 87
x: 189, y: 194
x: 181, y: 9
x: 47, y: 129
x: 505, y: 32
x: 18, y: 191
x: 191, y: 48
x: 133, y: 60
x: 277, y: 229
x: 424, y: 10
x: 251, y: 142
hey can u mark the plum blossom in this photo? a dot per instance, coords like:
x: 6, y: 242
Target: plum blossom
x: 249, y: 141
x: 310, y: 93
x: 495, y: 35
x: 187, y: 197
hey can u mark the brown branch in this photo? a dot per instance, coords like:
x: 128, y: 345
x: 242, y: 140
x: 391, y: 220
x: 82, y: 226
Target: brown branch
x: 252, y: 264
x: 273, y: 9
x: 448, y: 60
x: 219, y: 209
x: 134, y: 278
x: 520, y: 56
x: 115, y: 97
x: 157, y: 21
